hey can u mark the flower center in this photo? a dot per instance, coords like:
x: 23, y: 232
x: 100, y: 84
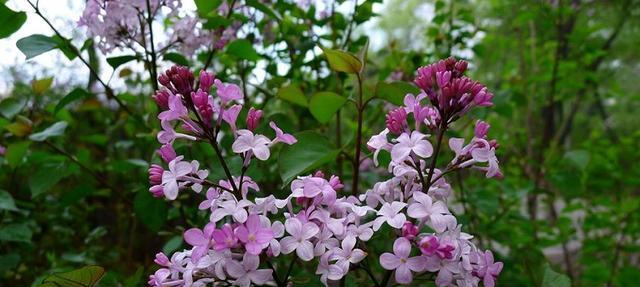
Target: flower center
x: 403, y: 260
x: 252, y: 237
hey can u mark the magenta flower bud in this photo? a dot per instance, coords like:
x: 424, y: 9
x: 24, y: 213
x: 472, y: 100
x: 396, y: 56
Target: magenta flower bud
x: 167, y: 153
x: 155, y: 174
x: 430, y: 245
x: 201, y: 102
x: 157, y: 191
x: 424, y: 79
x: 409, y: 231
x: 164, y: 80
x: 162, y: 259
x: 442, y: 78
x: 206, y: 80
x: 253, y: 118
x: 319, y: 173
x: 335, y: 183
x: 461, y: 66
x: 481, y: 130
x: 162, y: 98
x: 397, y: 120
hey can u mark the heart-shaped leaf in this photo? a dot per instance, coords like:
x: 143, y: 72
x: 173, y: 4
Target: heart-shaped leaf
x: 324, y: 105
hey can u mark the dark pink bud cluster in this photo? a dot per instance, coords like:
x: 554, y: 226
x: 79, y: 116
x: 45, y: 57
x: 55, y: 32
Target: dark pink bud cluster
x: 253, y: 118
x: 155, y: 174
x: 397, y: 120
x: 178, y: 79
x: 449, y: 90
x: 409, y: 230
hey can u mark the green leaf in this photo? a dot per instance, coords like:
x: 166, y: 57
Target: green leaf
x: 293, y: 94
x: 324, y: 105
x: 76, y: 94
x: 262, y: 8
x: 243, y: 49
x: 15, y: 153
x: 216, y: 21
x: 578, y: 158
x: 10, y: 107
x: 66, y: 47
x: 42, y: 85
x: 150, y: 210
x: 88, y: 276
x: 10, y: 21
x: 46, y: 177
x: 176, y: 58
x: 16, y: 232
x: 342, y: 61
x: 172, y: 245
x: 311, y: 151
x: 204, y: 7
x: 36, y: 44
x: 54, y: 130
x: 6, y: 201
x: 116, y: 62
x: 554, y: 279
x: 8, y: 262
x: 395, y: 92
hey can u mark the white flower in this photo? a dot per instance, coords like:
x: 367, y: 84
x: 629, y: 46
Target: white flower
x: 436, y: 212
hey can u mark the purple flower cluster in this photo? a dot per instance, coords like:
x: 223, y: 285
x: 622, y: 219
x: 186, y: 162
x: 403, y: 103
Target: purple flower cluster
x: 314, y: 222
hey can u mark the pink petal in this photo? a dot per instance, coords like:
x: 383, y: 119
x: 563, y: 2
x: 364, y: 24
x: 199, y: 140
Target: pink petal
x: 417, y: 263
x: 294, y: 227
x: 402, y: 247
x: 288, y: 244
x: 389, y: 261
x: 403, y: 274
x: 305, y: 251
x: 195, y: 237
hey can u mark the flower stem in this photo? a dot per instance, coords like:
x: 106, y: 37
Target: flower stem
x: 443, y: 128
x: 356, y: 156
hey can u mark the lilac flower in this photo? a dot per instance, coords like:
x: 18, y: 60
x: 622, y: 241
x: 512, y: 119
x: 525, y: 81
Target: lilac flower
x: 430, y: 246
x: 162, y: 98
x: 408, y: 144
x: 485, y: 268
x: 206, y: 80
x: 397, y: 120
x: 155, y: 174
x: 481, y: 130
x: 210, y: 203
x: 258, y: 145
x: 224, y: 238
x: 400, y: 261
x: 253, y: 235
x: 313, y: 186
x: 176, y: 109
x: 234, y: 209
x: 299, y: 238
x: 409, y: 231
x: 167, y: 153
x: 377, y: 143
x: 230, y: 115
x: 326, y: 241
x: 253, y: 118
x: 347, y: 254
x: 281, y: 136
x: 390, y: 213
x: 248, y: 272
x: 200, y: 239
x: 228, y: 92
x: 328, y: 271
x: 437, y: 213
x: 168, y: 134
x: 178, y: 79
x: 170, y: 178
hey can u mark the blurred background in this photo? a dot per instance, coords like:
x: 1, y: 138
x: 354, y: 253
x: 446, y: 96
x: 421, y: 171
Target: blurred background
x: 566, y: 116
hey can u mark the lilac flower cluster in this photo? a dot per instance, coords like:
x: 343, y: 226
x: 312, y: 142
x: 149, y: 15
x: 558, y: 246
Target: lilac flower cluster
x: 123, y: 24
x: 247, y: 230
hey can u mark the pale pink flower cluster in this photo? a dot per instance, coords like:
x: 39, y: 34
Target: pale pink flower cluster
x: 247, y: 229
x: 123, y: 24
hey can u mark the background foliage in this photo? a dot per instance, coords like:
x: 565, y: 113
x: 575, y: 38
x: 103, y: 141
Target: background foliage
x: 73, y: 181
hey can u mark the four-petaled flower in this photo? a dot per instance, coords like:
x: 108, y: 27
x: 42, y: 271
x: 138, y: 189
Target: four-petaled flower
x: 200, y: 239
x: 248, y: 272
x: 253, y: 235
x: 390, y: 213
x: 257, y: 144
x: 436, y: 212
x: 408, y: 144
x: 400, y: 261
x: 299, y: 238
